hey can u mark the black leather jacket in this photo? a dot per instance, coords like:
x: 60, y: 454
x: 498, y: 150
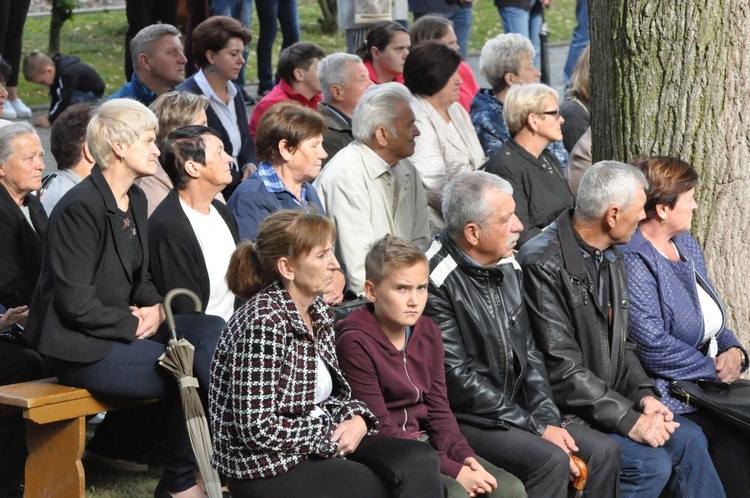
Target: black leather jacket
x: 593, y: 376
x: 494, y: 372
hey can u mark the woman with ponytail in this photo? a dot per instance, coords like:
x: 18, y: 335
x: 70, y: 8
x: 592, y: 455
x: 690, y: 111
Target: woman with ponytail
x: 284, y: 423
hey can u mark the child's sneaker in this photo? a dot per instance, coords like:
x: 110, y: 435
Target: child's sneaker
x: 22, y: 110
x: 8, y: 111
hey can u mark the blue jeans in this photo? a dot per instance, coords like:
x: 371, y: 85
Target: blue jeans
x: 646, y: 471
x: 580, y: 39
x: 268, y: 12
x: 242, y: 10
x: 525, y: 22
x: 461, y: 19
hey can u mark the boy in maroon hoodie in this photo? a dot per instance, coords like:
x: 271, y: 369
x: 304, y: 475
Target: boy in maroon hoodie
x: 392, y: 358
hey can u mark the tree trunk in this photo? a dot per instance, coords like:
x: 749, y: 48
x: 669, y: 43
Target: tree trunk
x: 62, y: 10
x: 329, y: 22
x: 673, y: 78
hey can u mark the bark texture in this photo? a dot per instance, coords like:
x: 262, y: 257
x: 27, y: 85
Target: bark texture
x: 673, y: 78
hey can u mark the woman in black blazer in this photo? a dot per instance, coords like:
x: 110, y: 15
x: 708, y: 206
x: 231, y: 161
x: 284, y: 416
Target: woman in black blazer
x: 95, y: 313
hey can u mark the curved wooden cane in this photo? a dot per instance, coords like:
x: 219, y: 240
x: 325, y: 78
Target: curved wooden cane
x: 577, y: 486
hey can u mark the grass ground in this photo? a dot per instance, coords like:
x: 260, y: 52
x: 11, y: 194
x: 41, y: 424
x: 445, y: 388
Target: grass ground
x: 98, y: 39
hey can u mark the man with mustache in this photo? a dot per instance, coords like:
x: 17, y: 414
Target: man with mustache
x: 495, y: 375
x: 579, y: 307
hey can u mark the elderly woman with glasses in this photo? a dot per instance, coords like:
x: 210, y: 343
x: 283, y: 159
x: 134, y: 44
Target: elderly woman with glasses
x: 541, y: 192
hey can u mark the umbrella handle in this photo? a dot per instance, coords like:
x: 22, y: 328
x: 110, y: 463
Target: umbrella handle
x: 168, y: 307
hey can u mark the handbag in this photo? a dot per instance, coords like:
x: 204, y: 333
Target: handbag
x: 730, y: 402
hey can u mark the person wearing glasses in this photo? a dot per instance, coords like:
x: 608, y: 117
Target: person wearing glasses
x: 541, y: 192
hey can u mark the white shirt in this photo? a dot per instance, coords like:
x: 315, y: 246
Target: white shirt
x: 226, y: 112
x: 217, y: 245
x: 323, y: 385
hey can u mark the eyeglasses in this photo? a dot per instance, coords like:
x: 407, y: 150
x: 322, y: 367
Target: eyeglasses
x: 555, y: 113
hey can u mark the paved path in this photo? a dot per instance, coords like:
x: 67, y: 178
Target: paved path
x: 558, y: 54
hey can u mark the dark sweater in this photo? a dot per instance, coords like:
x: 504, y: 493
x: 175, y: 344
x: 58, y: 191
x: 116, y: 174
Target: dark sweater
x: 405, y: 389
x: 539, y: 189
x: 71, y: 75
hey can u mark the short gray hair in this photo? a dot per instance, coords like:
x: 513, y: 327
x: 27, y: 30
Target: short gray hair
x: 142, y: 42
x: 502, y: 55
x: 523, y: 100
x: 332, y: 71
x: 8, y: 134
x: 464, y: 200
x: 378, y: 109
x: 606, y: 184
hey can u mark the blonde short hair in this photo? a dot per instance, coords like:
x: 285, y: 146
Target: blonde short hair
x: 174, y: 109
x: 118, y: 120
x: 522, y: 101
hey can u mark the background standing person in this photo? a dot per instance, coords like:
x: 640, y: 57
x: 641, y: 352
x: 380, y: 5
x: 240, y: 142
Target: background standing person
x: 356, y: 32
x: 269, y: 12
x: 580, y: 39
x: 142, y: 13
x: 677, y: 320
x: 576, y: 107
x: 525, y: 18
x: 458, y: 13
x: 12, y: 19
x: 284, y: 422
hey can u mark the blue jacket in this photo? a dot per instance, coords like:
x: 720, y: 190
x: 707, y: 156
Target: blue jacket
x: 487, y: 117
x: 251, y: 203
x: 135, y: 90
x: 666, y: 318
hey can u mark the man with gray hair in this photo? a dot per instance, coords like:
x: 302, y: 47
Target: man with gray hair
x: 158, y: 64
x: 495, y: 375
x: 577, y: 297
x: 344, y: 79
x: 370, y: 189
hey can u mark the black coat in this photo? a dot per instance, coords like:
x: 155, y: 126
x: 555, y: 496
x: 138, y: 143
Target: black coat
x: 176, y: 257
x: 494, y: 372
x: 20, y: 249
x: 539, y: 188
x: 81, y: 305
x: 593, y: 369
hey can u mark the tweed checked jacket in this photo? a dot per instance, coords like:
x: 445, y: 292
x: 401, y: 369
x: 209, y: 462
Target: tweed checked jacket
x: 263, y: 377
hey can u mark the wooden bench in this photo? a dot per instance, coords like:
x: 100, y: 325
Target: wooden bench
x: 56, y: 432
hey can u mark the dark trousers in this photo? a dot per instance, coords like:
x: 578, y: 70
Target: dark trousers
x: 17, y: 364
x: 197, y: 13
x: 12, y: 18
x: 380, y: 467
x: 729, y: 448
x: 142, y: 13
x: 132, y: 370
x: 269, y: 11
x: 544, y: 467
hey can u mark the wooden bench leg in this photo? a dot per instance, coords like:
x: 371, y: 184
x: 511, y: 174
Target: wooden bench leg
x: 53, y: 468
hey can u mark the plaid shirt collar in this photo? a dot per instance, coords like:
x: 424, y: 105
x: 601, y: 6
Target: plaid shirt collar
x: 273, y: 182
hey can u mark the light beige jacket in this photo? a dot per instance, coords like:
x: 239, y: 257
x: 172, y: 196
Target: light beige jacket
x: 443, y: 151
x: 356, y: 189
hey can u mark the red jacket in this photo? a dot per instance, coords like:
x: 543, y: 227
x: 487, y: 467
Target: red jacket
x: 405, y: 390
x: 280, y: 93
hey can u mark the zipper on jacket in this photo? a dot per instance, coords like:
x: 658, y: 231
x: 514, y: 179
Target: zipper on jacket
x: 710, y: 292
x: 406, y: 369
x: 493, y: 293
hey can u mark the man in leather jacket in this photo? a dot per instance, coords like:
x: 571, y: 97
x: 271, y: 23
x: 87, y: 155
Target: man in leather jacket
x: 496, y: 379
x: 577, y: 297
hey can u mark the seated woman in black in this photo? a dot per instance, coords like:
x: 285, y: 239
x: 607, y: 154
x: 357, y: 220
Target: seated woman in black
x: 95, y: 313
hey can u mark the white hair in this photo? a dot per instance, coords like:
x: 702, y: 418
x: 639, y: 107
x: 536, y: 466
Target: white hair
x: 606, y: 184
x: 504, y: 54
x: 332, y: 70
x: 378, y: 109
x: 464, y: 199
